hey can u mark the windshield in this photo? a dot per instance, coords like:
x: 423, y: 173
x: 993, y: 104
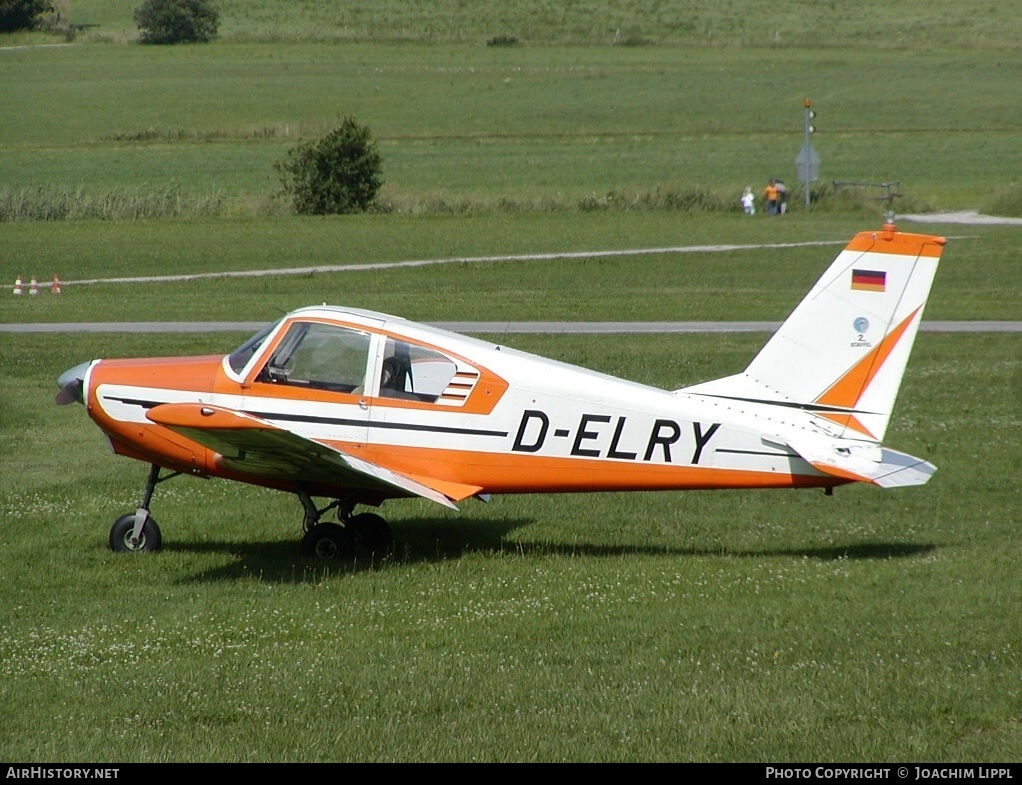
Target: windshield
x: 239, y: 357
x: 320, y: 356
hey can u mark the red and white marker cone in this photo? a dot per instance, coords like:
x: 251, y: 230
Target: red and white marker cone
x: 17, y: 285
x: 55, y: 286
x: 33, y: 286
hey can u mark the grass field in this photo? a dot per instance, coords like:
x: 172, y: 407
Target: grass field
x: 978, y: 279
x: 717, y: 626
x: 466, y: 126
x: 773, y: 626
x: 869, y: 23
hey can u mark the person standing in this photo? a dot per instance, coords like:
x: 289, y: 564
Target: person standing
x: 748, y: 201
x: 782, y: 197
x: 770, y: 194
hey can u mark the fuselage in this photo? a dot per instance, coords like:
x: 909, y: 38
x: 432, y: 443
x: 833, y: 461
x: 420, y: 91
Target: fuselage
x: 461, y: 411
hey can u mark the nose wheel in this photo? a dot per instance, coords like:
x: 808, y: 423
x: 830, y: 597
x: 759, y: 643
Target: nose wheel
x: 137, y: 531
x: 124, y: 540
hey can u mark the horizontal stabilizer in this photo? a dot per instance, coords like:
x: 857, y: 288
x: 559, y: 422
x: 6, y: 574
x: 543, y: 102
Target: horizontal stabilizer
x: 860, y: 461
x: 900, y: 469
x: 252, y: 445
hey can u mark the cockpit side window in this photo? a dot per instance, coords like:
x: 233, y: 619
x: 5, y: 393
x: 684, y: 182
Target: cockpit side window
x: 319, y: 356
x: 414, y: 373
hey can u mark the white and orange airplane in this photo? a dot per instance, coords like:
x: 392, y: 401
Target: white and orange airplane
x: 356, y: 407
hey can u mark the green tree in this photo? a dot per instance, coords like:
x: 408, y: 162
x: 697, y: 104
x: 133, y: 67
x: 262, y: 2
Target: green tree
x: 21, y: 14
x: 177, y: 21
x: 338, y: 173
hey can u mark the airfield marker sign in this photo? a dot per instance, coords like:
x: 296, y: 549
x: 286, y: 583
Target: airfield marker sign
x: 807, y: 162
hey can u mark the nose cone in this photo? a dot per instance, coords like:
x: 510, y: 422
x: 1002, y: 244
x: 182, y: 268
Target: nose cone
x: 71, y: 384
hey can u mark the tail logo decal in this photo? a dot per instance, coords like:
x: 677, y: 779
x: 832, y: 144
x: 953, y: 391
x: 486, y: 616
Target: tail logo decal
x: 861, y: 325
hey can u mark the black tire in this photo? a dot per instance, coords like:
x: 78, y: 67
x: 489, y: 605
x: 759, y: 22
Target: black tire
x: 372, y: 532
x: 329, y: 542
x: 149, y: 539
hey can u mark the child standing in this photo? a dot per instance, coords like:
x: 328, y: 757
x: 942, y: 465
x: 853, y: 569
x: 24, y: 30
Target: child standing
x: 749, y: 201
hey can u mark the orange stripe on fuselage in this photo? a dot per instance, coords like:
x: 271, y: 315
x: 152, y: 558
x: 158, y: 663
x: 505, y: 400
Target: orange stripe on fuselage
x: 513, y: 473
x: 465, y: 471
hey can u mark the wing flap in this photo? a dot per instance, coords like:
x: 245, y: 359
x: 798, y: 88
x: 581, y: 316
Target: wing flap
x: 252, y: 445
x: 452, y: 490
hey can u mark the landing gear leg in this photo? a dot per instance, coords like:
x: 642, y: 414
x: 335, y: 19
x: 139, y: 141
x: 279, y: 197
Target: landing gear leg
x: 327, y: 541
x: 313, y: 513
x: 333, y: 541
x: 138, y: 531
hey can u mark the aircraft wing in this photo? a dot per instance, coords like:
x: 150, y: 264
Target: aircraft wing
x: 859, y: 461
x: 255, y: 446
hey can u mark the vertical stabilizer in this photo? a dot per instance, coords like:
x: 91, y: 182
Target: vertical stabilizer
x: 842, y: 352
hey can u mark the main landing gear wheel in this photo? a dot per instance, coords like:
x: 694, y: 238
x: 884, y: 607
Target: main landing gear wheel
x: 149, y: 539
x: 328, y: 541
x: 371, y: 532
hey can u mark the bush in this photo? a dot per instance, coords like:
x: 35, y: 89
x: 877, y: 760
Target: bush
x: 1006, y: 201
x: 177, y: 21
x: 339, y: 173
x: 21, y: 14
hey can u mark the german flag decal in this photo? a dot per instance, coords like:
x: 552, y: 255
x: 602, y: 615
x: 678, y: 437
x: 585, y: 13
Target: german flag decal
x: 869, y: 280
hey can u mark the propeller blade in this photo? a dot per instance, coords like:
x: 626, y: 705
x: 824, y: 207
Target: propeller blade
x: 70, y: 393
x: 72, y: 385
